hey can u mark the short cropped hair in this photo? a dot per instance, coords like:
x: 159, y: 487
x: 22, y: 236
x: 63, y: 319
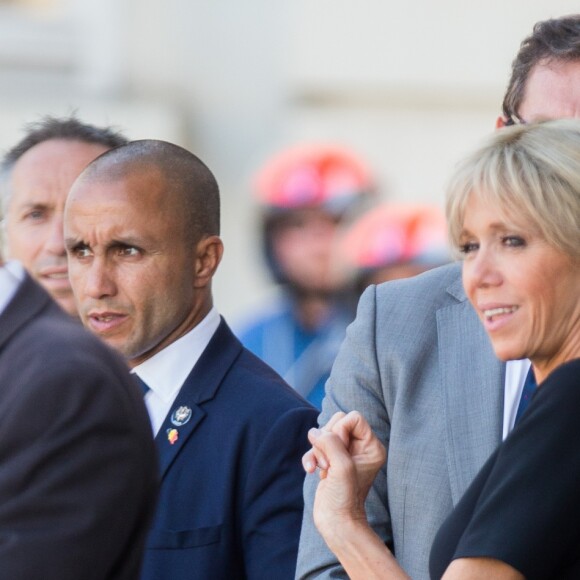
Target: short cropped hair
x: 46, y: 129
x: 190, y: 183
x: 554, y: 40
x: 529, y: 171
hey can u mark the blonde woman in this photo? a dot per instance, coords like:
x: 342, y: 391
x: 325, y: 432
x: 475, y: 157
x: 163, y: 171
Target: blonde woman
x: 513, y: 209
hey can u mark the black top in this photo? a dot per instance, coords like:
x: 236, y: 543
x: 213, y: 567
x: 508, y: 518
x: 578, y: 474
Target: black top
x: 523, y: 507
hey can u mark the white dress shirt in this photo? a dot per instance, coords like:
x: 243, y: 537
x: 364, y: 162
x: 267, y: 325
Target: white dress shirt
x: 165, y: 372
x: 515, y: 376
x: 11, y: 274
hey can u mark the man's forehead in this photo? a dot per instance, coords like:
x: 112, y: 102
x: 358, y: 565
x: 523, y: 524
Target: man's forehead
x: 110, y: 199
x: 63, y: 151
x: 49, y: 168
x: 111, y: 167
x: 103, y: 176
x: 552, y: 91
x: 102, y: 223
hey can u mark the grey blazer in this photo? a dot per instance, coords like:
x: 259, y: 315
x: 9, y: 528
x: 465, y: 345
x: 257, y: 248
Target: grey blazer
x: 418, y: 365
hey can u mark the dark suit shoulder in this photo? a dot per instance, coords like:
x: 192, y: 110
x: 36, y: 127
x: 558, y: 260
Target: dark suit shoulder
x: 76, y: 441
x: 57, y: 357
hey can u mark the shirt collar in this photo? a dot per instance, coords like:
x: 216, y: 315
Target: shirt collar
x: 165, y: 372
x: 11, y: 275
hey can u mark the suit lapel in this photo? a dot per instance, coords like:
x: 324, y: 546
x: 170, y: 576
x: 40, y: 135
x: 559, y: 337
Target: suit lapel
x: 473, y: 386
x: 28, y: 301
x: 201, y: 385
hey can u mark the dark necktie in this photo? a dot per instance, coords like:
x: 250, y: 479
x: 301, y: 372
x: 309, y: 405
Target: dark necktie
x: 527, y: 392
x: 142, y: 384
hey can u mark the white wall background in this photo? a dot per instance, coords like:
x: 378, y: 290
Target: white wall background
x: 409, y: 85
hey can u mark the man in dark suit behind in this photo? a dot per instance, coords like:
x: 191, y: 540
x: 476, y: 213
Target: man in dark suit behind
x: 142, y: 236
x: 78, y: 473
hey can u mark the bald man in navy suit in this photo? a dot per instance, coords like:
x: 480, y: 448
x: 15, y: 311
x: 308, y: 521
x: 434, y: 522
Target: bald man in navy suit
x: 78, y: 477
x: 142, y: 236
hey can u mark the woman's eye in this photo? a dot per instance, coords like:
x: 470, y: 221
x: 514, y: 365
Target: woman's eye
x: 513, y: 241
x: 468, y: 247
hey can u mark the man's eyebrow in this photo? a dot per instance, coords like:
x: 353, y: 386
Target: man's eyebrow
x: 33, y: 205
x: 130, y: 242
x: 74, y: 243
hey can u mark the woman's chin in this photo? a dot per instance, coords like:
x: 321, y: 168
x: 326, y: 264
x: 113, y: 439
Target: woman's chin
x: 508, y: 352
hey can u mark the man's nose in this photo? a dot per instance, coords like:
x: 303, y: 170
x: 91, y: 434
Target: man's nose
x: 99, y: 280
x: 55, y: 241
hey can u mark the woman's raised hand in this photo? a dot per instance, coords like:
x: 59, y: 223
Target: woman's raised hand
x: 349, y: 457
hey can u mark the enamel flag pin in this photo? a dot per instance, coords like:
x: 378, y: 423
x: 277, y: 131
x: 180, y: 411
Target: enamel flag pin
x: 181, y: 416
x: 172, y: 435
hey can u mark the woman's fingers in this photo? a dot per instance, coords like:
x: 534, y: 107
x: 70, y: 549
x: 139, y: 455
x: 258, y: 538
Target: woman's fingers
x: 362, y: 440
x: 353, y: 426
x: 333, y: 420
x: 351, y: 437
x: 320, y: 457
x: 309, y: 462
x: 328, y: 447
x: 315, y: 457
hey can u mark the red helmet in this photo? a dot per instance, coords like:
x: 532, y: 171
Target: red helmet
x: 392, y: 234
x: 313, y: 175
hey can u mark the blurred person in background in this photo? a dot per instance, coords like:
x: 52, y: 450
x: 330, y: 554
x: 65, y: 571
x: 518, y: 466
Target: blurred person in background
x: 393, y: 241
x: 305, y: 192
x: 36, y: 175
x: 417, y: 342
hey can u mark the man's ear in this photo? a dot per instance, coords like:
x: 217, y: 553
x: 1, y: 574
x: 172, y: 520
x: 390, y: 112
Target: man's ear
x: 209, y: 252
x: 500, y: 122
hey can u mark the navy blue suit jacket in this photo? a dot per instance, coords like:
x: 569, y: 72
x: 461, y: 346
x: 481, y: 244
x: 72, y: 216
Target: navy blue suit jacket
x: 231, y: 493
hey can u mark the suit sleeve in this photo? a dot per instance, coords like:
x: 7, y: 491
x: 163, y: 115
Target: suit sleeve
x: 354, y: 384
x: 71, y: 464
x: 273, y: 503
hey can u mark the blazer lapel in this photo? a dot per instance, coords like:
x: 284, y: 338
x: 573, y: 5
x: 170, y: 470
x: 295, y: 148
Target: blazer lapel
x: 171, y: 438
x: 473, y: 386
x: 28, y: 301
x: 201, y: 385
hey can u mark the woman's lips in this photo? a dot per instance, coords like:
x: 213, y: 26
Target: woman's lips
x: 496, y: 316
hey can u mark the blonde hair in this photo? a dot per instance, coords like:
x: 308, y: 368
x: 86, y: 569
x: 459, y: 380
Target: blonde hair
x: 529, y: 171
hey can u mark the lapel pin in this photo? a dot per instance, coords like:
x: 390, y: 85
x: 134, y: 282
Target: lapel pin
x: 172, y: 435
x: 181, y: 416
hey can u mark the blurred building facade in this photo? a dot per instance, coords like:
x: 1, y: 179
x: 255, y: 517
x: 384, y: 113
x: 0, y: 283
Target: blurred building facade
x: 409, y: 85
